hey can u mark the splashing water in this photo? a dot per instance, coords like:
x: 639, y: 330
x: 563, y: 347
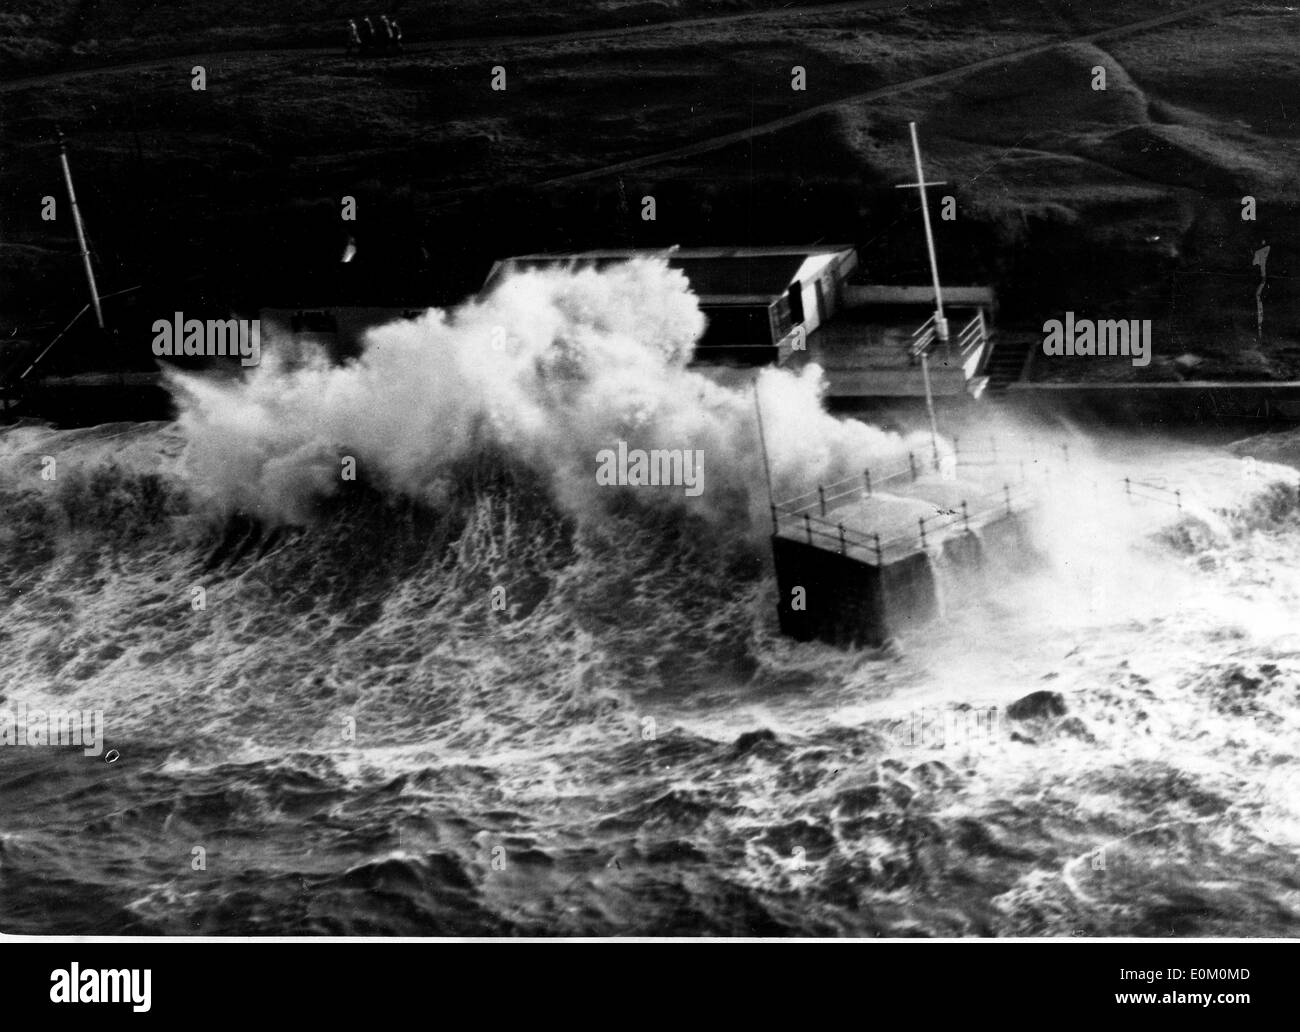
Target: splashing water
x: 348, y: 737
x: 553, y: 365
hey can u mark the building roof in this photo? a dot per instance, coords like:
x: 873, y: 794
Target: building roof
x: 725, y: 275
x: 625, y: 253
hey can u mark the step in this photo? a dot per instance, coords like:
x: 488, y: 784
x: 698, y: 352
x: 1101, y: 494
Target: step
x: 1006, y: 363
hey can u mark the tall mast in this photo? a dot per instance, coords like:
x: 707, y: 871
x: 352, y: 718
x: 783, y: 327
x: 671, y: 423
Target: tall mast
x: 81, y: 233
x: 940, y: 323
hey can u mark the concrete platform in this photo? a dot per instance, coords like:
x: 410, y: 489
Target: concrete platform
x: 870, y: 568
x: 864, y: 353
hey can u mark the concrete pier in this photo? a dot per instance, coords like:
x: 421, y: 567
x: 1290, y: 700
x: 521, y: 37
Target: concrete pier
x: 825, y: 596
x: 860, y: 561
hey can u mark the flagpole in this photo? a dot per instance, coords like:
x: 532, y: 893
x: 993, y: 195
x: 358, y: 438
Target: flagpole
x: 940, y: 323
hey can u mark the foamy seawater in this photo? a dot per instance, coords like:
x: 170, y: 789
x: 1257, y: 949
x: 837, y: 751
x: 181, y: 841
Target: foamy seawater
x: 320, y: 722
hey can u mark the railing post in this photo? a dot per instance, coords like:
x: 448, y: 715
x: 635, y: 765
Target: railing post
x: 841, y: 539
x: 1178, y: 498
x: 965, y: 516
x: 867, y: 473
x: 1006, y: 493
x: 807, y: 526
x: 1128, y: 488
x: 921, y: 521
x: 821, y: 497
x: 911, y: 462
x: 880, y: 559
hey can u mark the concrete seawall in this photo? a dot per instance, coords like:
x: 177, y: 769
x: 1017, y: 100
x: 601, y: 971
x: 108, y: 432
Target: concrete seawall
x: 828, y: 597
x: 1009, y: 547
x: 1268, y: 401
x: 825, y: 596
x: 848, y: 602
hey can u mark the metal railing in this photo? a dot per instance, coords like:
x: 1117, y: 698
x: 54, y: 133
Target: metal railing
x: 999, y: 455
x: 922, y: 337
x: 808, y: 515
x: 1011, y: 499
x: 827, y: 496
x: 816, y: 530
x: 824, y: 533
x: 973, y: 335
x: 1153, y: 492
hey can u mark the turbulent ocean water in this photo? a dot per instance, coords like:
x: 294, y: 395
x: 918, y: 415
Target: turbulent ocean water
x: 471, y: 692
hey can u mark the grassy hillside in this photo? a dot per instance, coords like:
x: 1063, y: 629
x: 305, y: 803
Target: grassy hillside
x: 65, y: 33
x: 1122, y: 202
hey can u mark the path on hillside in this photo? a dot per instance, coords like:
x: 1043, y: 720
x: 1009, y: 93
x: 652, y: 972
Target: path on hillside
x: 468, y: 43
x: 776, y: 125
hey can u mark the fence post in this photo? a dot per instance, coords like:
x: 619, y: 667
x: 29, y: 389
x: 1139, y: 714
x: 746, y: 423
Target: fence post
x: 1128, y: 489
x: 1065, y: 448
x: 965, y: 516
x: 880, y: 560
x: 921, y: 521
x: 1006, y: 493
x: 1178, y: 497
x: 821, y: 497
x: 807, y: 526
x: 841, y: 539
x: 911, y: 463
x: 867, y: 473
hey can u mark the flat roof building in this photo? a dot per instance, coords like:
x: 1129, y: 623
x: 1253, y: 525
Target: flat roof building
x: 799, y: 304
x: 760, y: 302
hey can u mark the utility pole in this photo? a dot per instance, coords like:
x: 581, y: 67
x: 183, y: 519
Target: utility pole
x: 940, y: 323
x: 81, y: 233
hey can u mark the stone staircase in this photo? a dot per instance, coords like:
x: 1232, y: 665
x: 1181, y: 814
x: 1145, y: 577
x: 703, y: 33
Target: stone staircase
x: 1007, y: 361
